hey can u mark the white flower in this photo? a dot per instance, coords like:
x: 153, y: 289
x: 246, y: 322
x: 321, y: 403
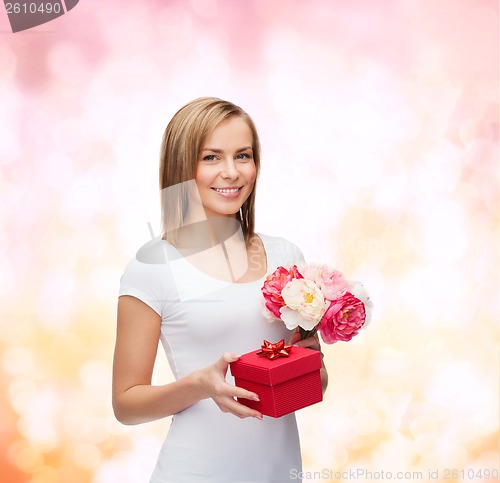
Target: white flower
x: 305, y: 304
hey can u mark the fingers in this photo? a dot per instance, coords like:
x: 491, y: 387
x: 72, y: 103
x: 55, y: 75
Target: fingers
x: 226, y: 400
x: 228, y: 357
x: 229, y: 405
x: 309, y: 343
x: 222, y: 364
x: 222, y: 389
x: 225, y: 360
x: 295, y: 337
x: 244, y: 394
x: 225, y: 394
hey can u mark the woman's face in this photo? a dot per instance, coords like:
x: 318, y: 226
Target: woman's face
x: 225, y: 174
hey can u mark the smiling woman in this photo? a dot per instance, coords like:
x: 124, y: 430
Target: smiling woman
x: 203, y: 299
x: 200, y: 134
x: 226, y: 178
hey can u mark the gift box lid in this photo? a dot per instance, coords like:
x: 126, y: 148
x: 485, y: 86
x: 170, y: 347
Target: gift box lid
x: 272, y: 372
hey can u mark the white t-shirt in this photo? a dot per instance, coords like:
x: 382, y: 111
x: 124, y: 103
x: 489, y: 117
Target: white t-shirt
x: 201, y: 318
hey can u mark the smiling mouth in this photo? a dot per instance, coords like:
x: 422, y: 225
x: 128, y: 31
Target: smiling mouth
x: 227, y: 190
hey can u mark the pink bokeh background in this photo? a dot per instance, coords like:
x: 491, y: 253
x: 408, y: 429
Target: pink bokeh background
x: 379, y: 127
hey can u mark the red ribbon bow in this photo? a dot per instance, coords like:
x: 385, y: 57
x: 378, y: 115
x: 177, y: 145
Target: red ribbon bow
x: 273, y: 351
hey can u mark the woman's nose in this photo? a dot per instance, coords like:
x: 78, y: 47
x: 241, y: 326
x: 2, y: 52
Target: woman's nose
x: 229, y: 169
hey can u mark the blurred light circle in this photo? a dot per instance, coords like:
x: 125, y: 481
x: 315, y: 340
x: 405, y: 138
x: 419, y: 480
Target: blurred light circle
x: 56, y: 170
x: 66, y: 62
x: 55, y: 300
x: 95, y: 431
x: 472, y: 129
x: 445, y: 389
x: 93, y: 241
x: 8, y: 275
x: 488, y: 90
x: 10, y: 146
x: 66, y: 136
x: 21, y: 394
x: 39, y: 419
x: 114, y: 427
x: 7, y: 64
x: 102, y: 283
x: 366, y: 422
x: 18, y: 360
x: 95, y: 375
x: 28, y: 459
x: 86, y: 456
x: 205, y: 8
x: 442, y: 237
x: 175, y: 26
x: 45, y: 474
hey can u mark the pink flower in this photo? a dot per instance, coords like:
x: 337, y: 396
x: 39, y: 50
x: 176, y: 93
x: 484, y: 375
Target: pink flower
x: 331, y: 282
x: 274, y: 285
x: 343, y: 319
x: 316, y: 297
x: 359, y: 291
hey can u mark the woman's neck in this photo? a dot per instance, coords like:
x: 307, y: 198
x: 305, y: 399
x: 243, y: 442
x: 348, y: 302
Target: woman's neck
x: 207, y: 233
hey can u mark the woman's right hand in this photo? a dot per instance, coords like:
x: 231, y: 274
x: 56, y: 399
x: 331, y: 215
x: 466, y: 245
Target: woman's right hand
x: 136, y: 400
x: 212, y: 381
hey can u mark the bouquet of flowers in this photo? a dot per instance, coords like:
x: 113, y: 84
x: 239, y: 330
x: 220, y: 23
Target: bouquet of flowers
x: 316, y: 298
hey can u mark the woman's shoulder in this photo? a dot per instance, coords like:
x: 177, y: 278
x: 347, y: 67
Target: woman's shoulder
x: 282, y: 250
x: 155, y: 252
x: 148, y: 276
x: 150, y: 261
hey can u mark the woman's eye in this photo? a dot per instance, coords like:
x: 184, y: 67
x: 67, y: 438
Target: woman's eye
x: 243, y: 156
x: 210, y: 157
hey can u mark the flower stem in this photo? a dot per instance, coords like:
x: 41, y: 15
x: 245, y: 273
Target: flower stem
x: 304, y: 334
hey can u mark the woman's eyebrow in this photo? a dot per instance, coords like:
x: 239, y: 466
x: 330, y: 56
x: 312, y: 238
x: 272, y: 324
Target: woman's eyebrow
x: 220, y: 151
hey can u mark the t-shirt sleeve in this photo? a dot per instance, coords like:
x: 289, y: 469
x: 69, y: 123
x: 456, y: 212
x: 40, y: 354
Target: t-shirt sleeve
x: 282, y: 251
x: 144, y: 281
x: 296, y: 253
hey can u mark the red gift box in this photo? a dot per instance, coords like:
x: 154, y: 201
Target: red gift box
x: 283, y: 385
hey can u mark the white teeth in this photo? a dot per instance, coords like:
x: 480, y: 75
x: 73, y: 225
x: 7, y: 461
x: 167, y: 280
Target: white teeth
x: 234, y: 190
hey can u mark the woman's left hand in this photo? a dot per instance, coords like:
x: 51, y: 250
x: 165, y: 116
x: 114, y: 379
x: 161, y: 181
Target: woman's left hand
x: 310, y: 343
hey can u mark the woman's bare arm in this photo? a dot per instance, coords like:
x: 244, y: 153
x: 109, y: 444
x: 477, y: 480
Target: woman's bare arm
x: 135, y: 400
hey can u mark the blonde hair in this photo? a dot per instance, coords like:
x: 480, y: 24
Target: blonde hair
x: 180, y: 149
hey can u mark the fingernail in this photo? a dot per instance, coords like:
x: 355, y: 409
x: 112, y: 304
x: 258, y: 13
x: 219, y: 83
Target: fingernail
x: 259, y: 416
x: 255, y: 398
x: 235, y: 356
